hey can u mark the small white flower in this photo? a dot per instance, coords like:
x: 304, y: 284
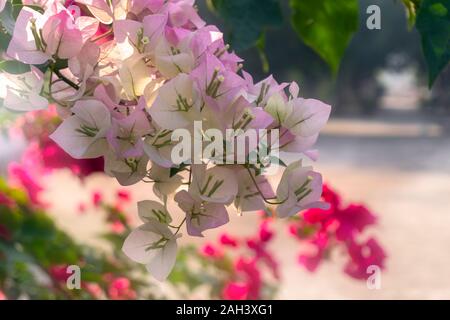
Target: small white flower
x: 300, y: 188
x: 154, y: 245
x: 127, y: 171
x: 83, y: 134
x: 176, y: 104
x: 217, y: 184
x: 152, y: 210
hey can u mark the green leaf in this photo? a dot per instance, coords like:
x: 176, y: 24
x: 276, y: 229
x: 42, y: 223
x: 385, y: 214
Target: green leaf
x: 411, y: 11
x: 14, y: 67
x: 247, y: 20
x: 326, y: 26
x: 433, y: 23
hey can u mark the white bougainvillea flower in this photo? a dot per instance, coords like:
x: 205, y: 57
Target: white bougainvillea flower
x: 86, y: 59
x: 177, y: 104
x: 241, y: 114
x: 135, y: 75
x: 38, y: 37
x: 126, y: 133
x: 261, y: 92
x: 200, y: 215
x: 216, y: 184
x: 308, y: 117
x: 249, y: 196
x: 158, y: 147
x: 154, y: 245
x: 152, y: 210
x: 23, y: 92
x: 219, y: 86
x: 83, y: 135
x: 164, y: 183
x: 279, y: 108
x: 140, y: 37
x: 300, y: 188
x: 172, y: 60
x: 127, y: 171
x: 23, y: 45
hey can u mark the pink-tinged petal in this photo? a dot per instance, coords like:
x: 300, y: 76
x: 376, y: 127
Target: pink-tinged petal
x: 216, y: 215
x: 300, y: 188
x: 61, y: 36
x: 308, y: 117
x: 88, y: 27
x: 99, y: 9
x: 294, y: 90
x: 126, y: 29
x: 92, y: 114
x: 182, y: 13
x: 87, y: 57
x: 164, y: 110
x: 23, y: 46
x: 154, y: 27
x: 201, y: 217
x: 127, y: 171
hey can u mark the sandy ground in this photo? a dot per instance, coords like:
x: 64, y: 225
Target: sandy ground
x: 402, y: 173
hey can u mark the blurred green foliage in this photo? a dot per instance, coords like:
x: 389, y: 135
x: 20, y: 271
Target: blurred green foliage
x: 327, y: 26
x: 433, y: 23
x: 247, y: 19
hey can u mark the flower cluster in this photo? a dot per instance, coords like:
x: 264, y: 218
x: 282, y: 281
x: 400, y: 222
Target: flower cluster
x: 343, y: 226
x: 125, y: 75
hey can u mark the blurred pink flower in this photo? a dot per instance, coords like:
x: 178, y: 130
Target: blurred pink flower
x: 265, y: 234
x: 117, y: 227
x: 59, y: 273
x: 124, y: 195
x: 2, y: 296
x: 120, y: 289
x: 362, y: 256
x: 235, y: 291
x: 323, y: 229
x: 94, y: 290
x: 227, y: 240
x: 250, y: 272
x: 97, y: 198
x: 210, y: 251
x: 5, y: 200
x: 19, y: 175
